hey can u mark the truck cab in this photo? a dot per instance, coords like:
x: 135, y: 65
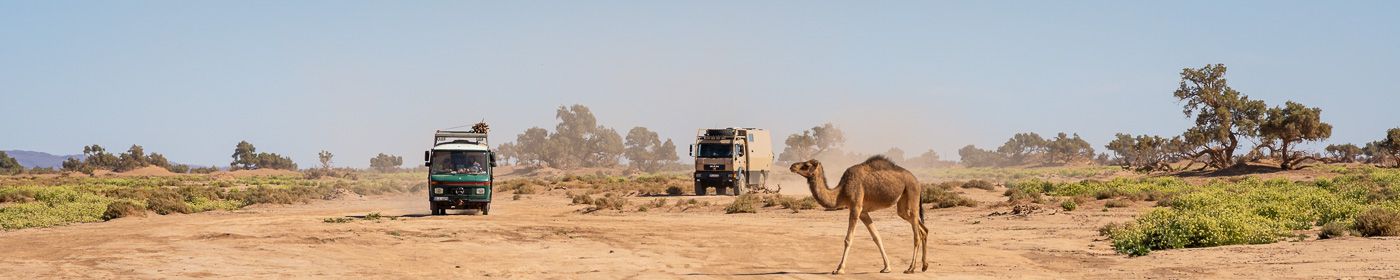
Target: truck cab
x: 460, y: 172
x: 731, y: 160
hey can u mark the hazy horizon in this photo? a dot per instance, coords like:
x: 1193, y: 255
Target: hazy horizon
x: 191, y: 79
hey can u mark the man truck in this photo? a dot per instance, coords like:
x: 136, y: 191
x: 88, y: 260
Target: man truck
x: 731, y: 160
x: 459, y: 172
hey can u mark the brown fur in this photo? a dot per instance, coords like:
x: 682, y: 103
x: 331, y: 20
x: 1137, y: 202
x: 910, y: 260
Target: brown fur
x: 872, y: 185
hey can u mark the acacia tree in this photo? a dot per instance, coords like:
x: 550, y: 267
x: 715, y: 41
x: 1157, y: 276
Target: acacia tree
x: 9, y: 165
x: 1065, y: 149
x: 798, y: 147
x: 895, y: 154
x: 1390, y: 147
x: 1223, y: 116
x: 1022, y: 147
x: 325, y: 157
x: 975, y: 157
x: 828, y: 137
x: 1346, y: 153
x: 98, y: 158
x: 385, y: 162
x: 646, y: 152
x: 929, y: 158
x: 1147, y: 153
x: 244, y: 156
x: 1288, y: 126
x: 506, y: 153
x: 812, y: 142
x: 532, y: 146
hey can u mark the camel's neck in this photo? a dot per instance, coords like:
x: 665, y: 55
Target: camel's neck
x: 826, y: 197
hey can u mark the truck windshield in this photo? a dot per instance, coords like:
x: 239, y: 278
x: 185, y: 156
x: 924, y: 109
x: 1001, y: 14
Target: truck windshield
x: 459, y: 162
x: 715, y: 151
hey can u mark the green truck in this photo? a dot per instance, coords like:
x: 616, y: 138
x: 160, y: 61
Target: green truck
x: 459, y: 172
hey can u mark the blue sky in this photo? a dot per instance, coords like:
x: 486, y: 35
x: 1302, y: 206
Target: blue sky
x: 191, y: 79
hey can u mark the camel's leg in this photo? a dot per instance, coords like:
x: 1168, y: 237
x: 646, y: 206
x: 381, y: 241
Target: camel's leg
x: 869, y: 224
x: 923, y: 244
x: 909, y: 211
x: 850, y: 229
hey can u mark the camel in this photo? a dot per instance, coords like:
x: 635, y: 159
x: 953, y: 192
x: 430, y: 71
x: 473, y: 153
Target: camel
x: 872, y: 185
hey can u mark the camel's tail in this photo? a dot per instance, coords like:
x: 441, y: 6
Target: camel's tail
x: 921, y: 210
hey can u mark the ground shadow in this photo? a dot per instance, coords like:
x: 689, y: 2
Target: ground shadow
x: 1232, y: 171
x: 773, y: 273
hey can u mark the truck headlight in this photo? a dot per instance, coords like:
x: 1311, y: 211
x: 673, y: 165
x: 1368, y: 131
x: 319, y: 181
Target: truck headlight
x: 480, y: 190
x: 437, y: 190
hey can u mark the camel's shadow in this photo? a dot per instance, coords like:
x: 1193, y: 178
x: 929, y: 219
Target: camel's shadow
x: 774, y: 273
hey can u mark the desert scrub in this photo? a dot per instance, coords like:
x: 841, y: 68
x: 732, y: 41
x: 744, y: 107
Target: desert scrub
x: 746, y: 203
x: 942, y: 196
x: 1254, y: 211
x: 52, y: 201
x: 53, y: 206
x: 1069, y: 205
x: 1017, y: 174
x: 1378, y: 222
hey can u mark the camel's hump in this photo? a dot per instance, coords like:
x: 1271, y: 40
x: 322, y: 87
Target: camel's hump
x: 880, y: 162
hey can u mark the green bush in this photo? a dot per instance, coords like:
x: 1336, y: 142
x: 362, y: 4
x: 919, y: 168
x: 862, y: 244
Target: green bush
x: 1069, y: 205
x: 1174, y: 229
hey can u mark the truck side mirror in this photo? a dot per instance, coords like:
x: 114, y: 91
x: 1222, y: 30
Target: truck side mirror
x: 493, y: 159
x: 739, y: 150
x: 692, y: 150
x: 427, y: 158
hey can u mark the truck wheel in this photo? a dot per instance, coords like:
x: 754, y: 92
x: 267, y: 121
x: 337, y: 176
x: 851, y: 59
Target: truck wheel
x: 486, y: 209
x: 434, y: 210
x: 699, y: 189
x: 739, y: 183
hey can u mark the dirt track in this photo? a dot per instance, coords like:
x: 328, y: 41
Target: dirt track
x: 544, y: 237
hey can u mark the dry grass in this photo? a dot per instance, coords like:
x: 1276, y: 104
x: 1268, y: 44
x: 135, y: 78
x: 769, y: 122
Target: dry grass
x: 1378, y: 222
x: 942, y: 196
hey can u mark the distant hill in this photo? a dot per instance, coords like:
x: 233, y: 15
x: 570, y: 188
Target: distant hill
x: 40, y: 159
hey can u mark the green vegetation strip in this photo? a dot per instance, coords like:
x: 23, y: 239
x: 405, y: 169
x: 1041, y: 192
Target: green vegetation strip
x: 27, y: 202
x: 1242, y: 211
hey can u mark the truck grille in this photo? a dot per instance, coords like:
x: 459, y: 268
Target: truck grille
x: 714, y: 167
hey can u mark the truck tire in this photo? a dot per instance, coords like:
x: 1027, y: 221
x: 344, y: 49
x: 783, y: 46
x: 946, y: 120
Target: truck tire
x: 699, y: 189
x: 486, y: 209
x: 739, y: 184
x: 434, y: 210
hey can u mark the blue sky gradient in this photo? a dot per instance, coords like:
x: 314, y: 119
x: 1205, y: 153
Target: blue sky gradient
x: 191, y: 79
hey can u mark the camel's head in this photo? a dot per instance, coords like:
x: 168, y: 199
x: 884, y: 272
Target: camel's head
x: 806, y: 168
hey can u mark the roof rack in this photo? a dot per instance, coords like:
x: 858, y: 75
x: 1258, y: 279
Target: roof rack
x: 444, y: 136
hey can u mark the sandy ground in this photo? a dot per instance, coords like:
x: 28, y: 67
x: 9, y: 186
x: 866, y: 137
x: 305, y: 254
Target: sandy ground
x: 543, y: 237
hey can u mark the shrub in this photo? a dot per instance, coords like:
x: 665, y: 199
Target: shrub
x: 746, y: 203
x: 166, y: 205
x: 610, y: 201
x: 1378, y: 222
x: 1117, y: 203
x: 123, y: 208
x: 1174, y: 229
x: 1069, y: 205
x: 581, y: 199
x: 796, y: 205
x: 674, y: 191
x: 942, y: 196
x: 978, y: 184
x: 1334, y: 229
x: 1017, y: 196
